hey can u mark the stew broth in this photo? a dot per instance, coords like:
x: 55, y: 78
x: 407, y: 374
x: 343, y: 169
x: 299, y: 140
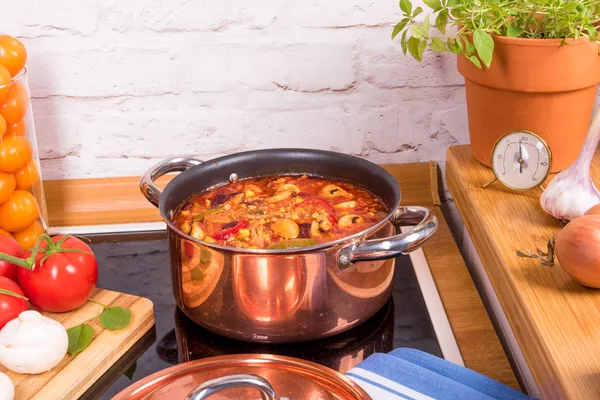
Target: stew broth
x: 279, y: 212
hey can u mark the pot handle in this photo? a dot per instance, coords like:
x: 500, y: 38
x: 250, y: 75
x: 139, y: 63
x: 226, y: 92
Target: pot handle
x: 382, y: 249
x: 213, y: 386
x: 147, y: 186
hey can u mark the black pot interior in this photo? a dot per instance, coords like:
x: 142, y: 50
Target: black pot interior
x: 270, y: 162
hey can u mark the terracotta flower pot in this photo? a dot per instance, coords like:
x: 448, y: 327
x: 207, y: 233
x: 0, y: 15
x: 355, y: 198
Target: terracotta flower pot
x: 536, y: 85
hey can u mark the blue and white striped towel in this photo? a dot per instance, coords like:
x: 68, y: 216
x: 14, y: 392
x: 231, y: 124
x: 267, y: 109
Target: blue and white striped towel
x: 412, y: 374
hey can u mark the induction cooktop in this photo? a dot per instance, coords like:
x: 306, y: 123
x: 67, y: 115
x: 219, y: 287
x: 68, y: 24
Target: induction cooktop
x: 139, y: 264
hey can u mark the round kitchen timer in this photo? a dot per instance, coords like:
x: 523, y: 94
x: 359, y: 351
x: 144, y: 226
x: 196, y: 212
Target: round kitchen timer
x: 521, y: 160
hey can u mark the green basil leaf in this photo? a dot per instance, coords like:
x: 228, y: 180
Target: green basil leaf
x: 80, y: 337
x: 413, y: 48
x: 398, y: 28
x: 197, y: 274
x: 403, y: 42
x: 513, y: 31
x: 406, y: 6
x: 426, y: 24
x: 131, y: 370
x: 475, y: 61
x: 441, y: 21
x: 418, y: 31
x: 114, y: 318
x: 435, y: 5
x: 417, y: 11
x: 592, y: 31
x: 438, y: 45
x: 485, y: 46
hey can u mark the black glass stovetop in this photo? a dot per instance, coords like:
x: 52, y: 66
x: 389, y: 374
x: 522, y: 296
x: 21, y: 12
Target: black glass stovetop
x: 141, y: 267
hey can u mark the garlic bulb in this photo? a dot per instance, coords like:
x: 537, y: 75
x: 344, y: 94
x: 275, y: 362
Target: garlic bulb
x: 572, y: 192
x: 32, y: 343
x: 7, y: 389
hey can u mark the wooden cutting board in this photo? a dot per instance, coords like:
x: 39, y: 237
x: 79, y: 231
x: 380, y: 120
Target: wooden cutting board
x: 74, y: 375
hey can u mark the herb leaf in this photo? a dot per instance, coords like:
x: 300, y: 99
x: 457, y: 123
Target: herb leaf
x: 513, y: 31
x: 438, y: 45
x: 80, y: 337
x: 399, y: 27
x: 475, y: 61
x: 114, y: 318
x: 435, y: 5
x: 485, y: 46
x: 418, y: 31
x: 131, y: 370
x: 413, y: 47
x: 441, y: 21
x: 406, y: 6
x: 403, y: 42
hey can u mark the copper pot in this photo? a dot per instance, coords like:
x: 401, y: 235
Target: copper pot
x: 276, y: 296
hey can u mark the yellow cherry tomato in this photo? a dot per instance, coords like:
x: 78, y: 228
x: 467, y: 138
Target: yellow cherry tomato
x: 19, y: 212
x: 8, y: 183
x: 13, y: 54
x: 15, y: 153
x: 17, y: 129
x: 27, y: 237
x: 4, y: 82
x: 28, y: 176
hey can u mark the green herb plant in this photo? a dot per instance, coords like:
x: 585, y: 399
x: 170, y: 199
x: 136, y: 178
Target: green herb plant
x: 466, y: 27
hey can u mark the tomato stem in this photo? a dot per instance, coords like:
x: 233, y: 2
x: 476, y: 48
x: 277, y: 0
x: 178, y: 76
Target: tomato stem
x: 51, y: 248
x: 9, y: 293
x: 25, y: 263
x: 97, y: 302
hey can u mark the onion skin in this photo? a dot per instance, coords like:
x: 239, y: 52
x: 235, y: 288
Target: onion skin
x: 577, y: 249
x: 594, y: 210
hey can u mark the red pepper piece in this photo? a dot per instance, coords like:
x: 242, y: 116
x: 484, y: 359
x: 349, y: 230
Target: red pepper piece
x: 232, y: 231
x: 325, y: 205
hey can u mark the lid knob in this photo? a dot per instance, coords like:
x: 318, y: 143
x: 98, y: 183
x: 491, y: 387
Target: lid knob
x: 233, y: 381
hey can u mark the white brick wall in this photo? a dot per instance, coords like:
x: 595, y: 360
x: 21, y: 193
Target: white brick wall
x: 119, y: 85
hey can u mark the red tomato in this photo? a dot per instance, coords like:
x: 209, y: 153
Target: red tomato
x: 9, y: 246
x: 13, y: 54
x: 16, y: 104
x: 65, y: 280
x: 10, y: 306
x: 17, y: 129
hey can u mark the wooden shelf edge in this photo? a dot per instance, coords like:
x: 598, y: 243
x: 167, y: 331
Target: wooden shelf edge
x: 519, y: 318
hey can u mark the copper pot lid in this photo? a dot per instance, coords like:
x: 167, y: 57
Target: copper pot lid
x: 245, y: 376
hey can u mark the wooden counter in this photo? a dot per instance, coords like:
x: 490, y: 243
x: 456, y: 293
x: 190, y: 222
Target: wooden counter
x: 118, y: 201
x: 555, y: 321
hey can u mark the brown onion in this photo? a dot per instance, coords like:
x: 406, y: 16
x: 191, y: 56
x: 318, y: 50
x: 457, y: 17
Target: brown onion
x: 577, y: 248
x: 594, y: 210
